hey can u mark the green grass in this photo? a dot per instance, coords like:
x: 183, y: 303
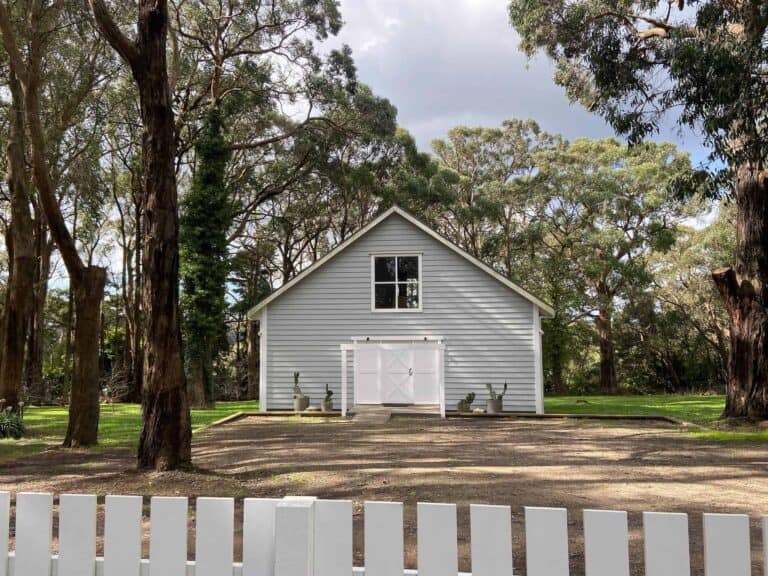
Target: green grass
x: 696, y: 409
x: 119, y: 425
x: 702, y: 410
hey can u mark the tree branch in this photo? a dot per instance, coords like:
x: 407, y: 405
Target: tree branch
x: 111, y: 31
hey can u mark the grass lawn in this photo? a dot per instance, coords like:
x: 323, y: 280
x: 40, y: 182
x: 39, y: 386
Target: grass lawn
x: 119, y: 425
x: 702, y: 410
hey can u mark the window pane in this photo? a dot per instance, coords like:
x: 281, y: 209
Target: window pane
x: 408, y: 295
x: 407, y: 268
x: 385, y: 295
x: 385, y: 269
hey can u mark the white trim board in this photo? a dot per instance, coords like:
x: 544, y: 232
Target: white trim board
x: 417, y: 338
x: 263, y: 332
x: 540, y: 304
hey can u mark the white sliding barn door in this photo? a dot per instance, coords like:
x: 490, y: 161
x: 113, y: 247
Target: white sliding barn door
x: 397, y: 373
x: 426, y: 386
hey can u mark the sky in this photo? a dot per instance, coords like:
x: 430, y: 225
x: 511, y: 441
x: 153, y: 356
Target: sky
x: 444, y: 63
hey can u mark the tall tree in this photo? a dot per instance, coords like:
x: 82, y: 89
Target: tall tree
x: 614, y: 204
x: 490, y: 164
x: 19, y: 290
x: 635, y: 61
x: 87, y: 280
x: 165, y: 441
x: 205, y: 222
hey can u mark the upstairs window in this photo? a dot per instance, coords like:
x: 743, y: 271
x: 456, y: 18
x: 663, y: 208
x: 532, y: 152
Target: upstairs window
x: 397, y: 283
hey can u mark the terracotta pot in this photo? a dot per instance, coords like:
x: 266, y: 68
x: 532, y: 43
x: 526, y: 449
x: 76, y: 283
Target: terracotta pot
x: 494, y: 406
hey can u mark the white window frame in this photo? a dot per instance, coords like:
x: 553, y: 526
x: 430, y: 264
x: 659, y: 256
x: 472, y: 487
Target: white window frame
x: 373, y: 282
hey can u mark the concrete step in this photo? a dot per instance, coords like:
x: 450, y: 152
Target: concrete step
x: 371, y: 414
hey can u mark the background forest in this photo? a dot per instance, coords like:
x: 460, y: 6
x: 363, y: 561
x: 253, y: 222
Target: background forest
x: 281, y: 154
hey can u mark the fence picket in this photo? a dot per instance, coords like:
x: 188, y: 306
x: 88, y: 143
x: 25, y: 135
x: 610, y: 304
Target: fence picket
x: 490, y: 530
x: 5, y: 519
x: 294, y: 537
x: 606, y: 543
x: 383, y: 539
x: 168, y: 536
x: 214, y: 536
x: 333, y: 537
x: 34, y: 530
x: 765, y: 545
x: 304, y: 536
x: 436, y: 539
x: 122, y: 535
x: 546, y: 541
x: 259, y: 536
x: 667, y: 550
x: 726, y: 545
x: 77, y: 534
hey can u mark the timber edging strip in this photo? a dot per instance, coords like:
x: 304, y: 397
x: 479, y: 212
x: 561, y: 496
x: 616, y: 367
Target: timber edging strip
x: 529, y: 415
x: 566, y: 416
x: 276, y: 413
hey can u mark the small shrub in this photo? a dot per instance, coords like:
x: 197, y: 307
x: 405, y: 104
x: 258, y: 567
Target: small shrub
x: 328, y: 393
x: 11, y: 424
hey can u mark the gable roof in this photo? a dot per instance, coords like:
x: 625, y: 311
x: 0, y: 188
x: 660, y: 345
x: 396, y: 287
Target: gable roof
x: 543, y: 306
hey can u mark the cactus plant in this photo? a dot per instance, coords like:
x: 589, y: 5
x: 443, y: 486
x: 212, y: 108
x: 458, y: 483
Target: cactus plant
x: 466, y: 402
x: 300, y: 402
x: 492, y: 393
x: 495, y: 402
x: 327, y: 404
x: 297, y: 393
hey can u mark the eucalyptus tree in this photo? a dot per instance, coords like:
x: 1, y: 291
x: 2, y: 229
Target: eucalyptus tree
x: 250, y: 61
x: 633, y: 63
x: 606, y: 209
x: 165, y: 441
x: 676, y: 337
x: 36, y: 25
x: 488, y: 202
x: 18, y: 307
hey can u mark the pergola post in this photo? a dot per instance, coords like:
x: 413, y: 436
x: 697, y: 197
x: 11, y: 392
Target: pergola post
x: 343, y: 380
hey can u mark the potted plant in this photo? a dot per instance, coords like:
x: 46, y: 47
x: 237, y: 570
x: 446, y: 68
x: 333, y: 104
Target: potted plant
x: 495, y: 404
x: 465, y: 404
x: 300, y: 402
x: 327, y: 404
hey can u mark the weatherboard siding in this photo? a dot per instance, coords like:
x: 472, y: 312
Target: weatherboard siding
x: 487, y: 327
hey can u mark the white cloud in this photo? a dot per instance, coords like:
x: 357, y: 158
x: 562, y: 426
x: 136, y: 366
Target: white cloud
x: 444, y: 63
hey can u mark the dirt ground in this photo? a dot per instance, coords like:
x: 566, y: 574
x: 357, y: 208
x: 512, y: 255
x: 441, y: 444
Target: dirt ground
x: 633, y: 466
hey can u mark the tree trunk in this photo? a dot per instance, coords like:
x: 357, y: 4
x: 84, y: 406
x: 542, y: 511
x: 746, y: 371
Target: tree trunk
x: 556, y: 354
x: 37, y: 389
x: 199, y: 384
x: 608, y: 381
x: 165, y: 441
x: 253, y: 357
x: 18, y: 297
x: 745, y: 293
x: 83, y: 427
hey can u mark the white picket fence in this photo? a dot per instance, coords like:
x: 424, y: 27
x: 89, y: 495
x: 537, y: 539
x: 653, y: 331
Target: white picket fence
x: 309, y: 537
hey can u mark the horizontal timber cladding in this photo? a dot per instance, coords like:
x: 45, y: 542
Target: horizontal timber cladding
x: 487, y: 327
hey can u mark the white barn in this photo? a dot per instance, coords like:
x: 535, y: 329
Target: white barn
x: 397, y: 314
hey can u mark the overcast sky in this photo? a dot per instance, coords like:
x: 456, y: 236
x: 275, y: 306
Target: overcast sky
x: 448, y: 62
